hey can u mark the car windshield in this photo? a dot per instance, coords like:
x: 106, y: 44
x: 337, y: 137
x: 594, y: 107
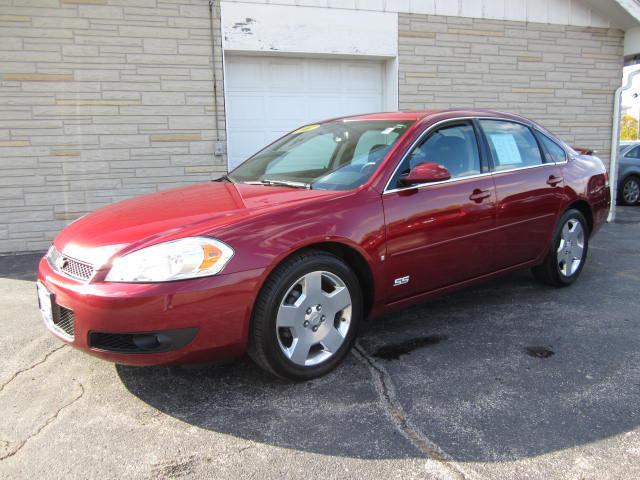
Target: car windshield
x: 337, y: 155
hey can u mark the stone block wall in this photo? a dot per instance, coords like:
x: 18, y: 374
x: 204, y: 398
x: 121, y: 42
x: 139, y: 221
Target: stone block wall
x: 102, y: 100
x: 562, y: 76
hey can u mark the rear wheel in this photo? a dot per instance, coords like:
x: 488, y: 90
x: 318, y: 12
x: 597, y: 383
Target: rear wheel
x: 306, y: 316
x: 630, y: 191
x: 568, y: 252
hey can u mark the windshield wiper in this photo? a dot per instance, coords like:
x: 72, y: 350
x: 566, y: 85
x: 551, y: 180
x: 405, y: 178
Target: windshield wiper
x: 284, y: 183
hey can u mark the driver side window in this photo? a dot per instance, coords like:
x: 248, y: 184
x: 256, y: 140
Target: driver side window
x: 373, y: 145
x: 454, y: 147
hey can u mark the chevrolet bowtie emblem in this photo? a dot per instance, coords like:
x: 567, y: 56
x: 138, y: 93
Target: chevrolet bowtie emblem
x: 61, y: 263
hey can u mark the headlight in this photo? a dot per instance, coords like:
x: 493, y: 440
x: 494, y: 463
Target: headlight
x: 176, y: 260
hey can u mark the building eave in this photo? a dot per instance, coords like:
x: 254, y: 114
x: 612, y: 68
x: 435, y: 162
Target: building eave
x: 624, y: 14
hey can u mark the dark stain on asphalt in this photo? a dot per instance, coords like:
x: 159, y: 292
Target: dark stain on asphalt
x: 394, y: 351
x: 539, y: 352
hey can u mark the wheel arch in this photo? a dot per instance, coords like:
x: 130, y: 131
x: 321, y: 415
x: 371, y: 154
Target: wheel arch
x: 352, y: 257
x: 583, y: 207
x: 358, y: 264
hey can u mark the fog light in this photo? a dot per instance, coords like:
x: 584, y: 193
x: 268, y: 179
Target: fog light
x: 152, y: 341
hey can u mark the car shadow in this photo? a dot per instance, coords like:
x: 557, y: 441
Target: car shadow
x: 507, y: 370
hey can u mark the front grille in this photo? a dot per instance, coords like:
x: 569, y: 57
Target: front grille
x: 64, y: 321
x: 77, y: 269
x: 69, y: 266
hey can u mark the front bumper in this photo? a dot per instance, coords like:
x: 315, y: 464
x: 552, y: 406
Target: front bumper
x: 217, y: 307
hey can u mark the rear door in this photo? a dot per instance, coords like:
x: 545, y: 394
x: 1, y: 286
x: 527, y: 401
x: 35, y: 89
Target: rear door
x: 439, y: 233
x: 528, y: 188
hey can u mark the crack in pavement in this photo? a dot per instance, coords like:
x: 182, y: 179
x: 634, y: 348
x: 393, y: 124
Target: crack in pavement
x: 391, y: 405
x: 50, y: 420
x: 39, y: 362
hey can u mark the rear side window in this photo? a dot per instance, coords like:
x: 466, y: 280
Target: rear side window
x: 553, y: 151
x: 512, y: 145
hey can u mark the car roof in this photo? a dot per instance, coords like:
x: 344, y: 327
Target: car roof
x: 440, y: 113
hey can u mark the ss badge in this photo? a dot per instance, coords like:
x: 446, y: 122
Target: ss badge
x: 401, y: 281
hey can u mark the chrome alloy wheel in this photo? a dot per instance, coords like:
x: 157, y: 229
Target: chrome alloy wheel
x: 314, y: 318
x: 631, y: 191
x: 571, y: 248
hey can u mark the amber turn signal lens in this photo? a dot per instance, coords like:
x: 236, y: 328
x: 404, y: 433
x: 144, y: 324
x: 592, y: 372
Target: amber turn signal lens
x: 211, y: 255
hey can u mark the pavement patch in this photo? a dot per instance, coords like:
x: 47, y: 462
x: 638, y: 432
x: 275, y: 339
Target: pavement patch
x: 539, y: 352
x: 396, y: 350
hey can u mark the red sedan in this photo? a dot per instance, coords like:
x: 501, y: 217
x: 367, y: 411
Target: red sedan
x: 329, y: 226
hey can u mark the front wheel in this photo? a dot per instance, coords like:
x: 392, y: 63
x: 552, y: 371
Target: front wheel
x: 306, y: 316
x: 568, y: 252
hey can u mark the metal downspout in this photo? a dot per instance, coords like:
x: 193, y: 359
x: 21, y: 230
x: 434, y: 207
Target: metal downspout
x: 615, y: 144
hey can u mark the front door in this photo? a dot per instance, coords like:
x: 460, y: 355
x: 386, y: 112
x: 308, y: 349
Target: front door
x: 439, y: 234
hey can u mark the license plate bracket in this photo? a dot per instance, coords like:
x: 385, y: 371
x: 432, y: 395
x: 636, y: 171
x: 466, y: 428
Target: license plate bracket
x: 45, y: 303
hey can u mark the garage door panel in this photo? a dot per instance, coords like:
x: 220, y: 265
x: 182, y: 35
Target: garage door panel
x: 244, y: 75
x: 363, y: 78
x: 361, y: 105
x: 285, y: 76
x: 324, y: 77
x: 325, y: 106
x: 242, y: 143
x: 270, y: 96
x: 286, y: 107
x: 247, y: 106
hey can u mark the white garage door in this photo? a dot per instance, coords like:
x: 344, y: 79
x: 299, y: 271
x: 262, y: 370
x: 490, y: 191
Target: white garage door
x: 270, y: 96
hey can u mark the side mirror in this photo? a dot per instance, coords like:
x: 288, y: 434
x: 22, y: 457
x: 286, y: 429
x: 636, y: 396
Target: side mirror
x: 425, y: 173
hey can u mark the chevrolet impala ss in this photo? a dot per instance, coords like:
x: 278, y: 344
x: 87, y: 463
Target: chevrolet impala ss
x: 331, y: 225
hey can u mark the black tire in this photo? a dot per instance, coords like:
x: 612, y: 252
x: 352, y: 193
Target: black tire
x: 549, y: 271
x: 264, y: 347
x: 632, y: 184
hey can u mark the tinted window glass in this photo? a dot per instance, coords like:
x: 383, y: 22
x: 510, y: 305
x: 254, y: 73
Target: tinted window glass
x: 633, y: 153
x: 454, y: 147
x: 336, y: 155
x: 371, y: 142
x: 315, y: 154
x: 553, y: 151
x: 512, y: 145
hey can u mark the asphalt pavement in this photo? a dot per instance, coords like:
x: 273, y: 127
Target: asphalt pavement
x: 511, y: 379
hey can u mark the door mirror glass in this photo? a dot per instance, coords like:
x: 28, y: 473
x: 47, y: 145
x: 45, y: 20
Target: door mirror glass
x: 426, y: 172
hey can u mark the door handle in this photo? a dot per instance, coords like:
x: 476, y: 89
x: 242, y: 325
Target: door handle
x: 479, y: 195
x: 553, y: 180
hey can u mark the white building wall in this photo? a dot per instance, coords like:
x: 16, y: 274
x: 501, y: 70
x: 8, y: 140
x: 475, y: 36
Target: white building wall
x: 290, y: 29
x: 302, y: 32
x: 562, y: 12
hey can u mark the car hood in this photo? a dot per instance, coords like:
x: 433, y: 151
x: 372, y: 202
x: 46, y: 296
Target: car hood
x: 194, y: 210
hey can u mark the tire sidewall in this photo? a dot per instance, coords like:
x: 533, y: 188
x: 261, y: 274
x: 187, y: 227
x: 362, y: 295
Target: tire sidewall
x: 279, y: 362
x: 568, y: 215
